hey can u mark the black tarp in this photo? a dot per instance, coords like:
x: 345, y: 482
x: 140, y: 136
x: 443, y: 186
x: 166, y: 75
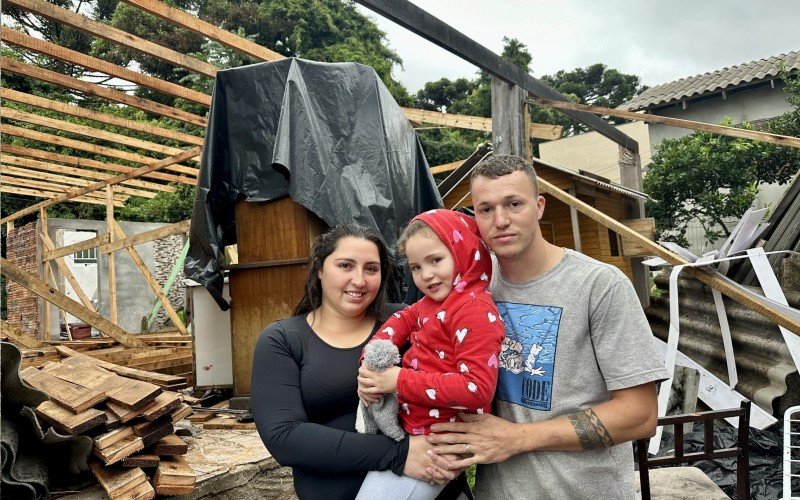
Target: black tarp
x: 328, y: 134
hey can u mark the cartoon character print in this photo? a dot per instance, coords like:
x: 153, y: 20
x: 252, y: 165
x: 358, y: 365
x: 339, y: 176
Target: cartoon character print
x: 528, y: 353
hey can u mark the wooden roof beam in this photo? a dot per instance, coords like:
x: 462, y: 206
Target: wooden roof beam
x: 6, y: 187
x: 76, y: 128
x: 53, y: 187
x: 114, y: 121
x: 537, y: 130
x: 108, y: 182
x: 46, y: 75
x: 43, y: 47
x: 89, y: 163
x: 36, y: 165
x: 62, y: 179
x: 106, y: 32
x: 57, y: 140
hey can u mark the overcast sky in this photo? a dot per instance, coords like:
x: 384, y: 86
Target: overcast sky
x: 658, y: 40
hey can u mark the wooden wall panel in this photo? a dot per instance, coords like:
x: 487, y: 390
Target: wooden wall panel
x: 278, y: 230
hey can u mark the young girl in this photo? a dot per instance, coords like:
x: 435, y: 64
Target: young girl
x: 454, y: 334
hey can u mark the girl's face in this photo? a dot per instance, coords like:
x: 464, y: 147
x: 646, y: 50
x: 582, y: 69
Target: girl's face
x: 351, y: 276
x: 431, y: 265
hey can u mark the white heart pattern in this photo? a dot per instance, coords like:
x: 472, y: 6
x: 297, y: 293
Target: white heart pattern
x: 460, y: 334
x: 463, y: 368
x: 405, y: 409
x: 492, y: 318
x: 440, y: 353
x: 484, y: 277
x: 453, y: 419
x: 431, y: 393
x: 458, y: 278
x: 479, y: 411
x: 477, y: 255
x: 472, y: 387
x: 388, y: 331
x: 430, y: 212
x: 440, y: 316
x: 396, y: 315
x: 434, y: 413
x: 424, y: 320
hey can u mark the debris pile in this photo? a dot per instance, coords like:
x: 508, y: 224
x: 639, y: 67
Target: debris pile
x: 129, y: 415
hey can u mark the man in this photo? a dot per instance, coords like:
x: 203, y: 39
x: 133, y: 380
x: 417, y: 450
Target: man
x: 577, y: 369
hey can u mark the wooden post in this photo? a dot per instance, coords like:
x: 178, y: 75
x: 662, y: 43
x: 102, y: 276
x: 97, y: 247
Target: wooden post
x: 509, y: 130
x: 112, y: 269
x: 630, y: 174
x: 47, y: 277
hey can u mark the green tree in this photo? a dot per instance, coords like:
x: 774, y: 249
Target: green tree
x: 707, y: 178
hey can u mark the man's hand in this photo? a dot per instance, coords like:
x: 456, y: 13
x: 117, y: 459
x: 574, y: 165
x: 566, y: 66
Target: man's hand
x: 482, y: 439
x: 419, y: 463
x: 377, y: 383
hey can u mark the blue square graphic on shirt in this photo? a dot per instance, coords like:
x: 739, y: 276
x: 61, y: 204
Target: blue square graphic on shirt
x: 528, y: 354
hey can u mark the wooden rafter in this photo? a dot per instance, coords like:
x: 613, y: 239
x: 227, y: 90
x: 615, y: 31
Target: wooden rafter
x: 777, y: 139
x: 115, y: 121
x: 86, y: 146
x: 64, y: 268
x: 76, y: 247
x: 88, y: 163
x: 68, y: 181
x: 40, y: 288
x: 36, y: 166
x: 46, y: 75
x: 147, y: 236
x: 92, y: 132
x: 48, y: 189
x: 100, y: 185
x: 150, y: 279
x: 18, y: 336
x: 37, y: 193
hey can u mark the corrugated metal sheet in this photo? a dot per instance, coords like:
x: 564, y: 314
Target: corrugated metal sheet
x: 713, y: 82
x: 766, y: 372
x: 588, y: 179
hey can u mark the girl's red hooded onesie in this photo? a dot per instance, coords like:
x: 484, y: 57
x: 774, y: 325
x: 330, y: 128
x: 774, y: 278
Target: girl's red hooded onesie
x: 451, y: 364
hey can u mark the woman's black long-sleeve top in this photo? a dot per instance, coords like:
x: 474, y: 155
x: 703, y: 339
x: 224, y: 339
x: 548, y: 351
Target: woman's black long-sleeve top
x: 304, y: 403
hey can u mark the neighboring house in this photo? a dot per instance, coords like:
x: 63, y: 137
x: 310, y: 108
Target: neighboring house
x: 751, y: 92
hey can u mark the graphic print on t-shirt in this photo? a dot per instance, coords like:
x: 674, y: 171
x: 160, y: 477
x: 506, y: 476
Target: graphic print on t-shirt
x: 528, y: 353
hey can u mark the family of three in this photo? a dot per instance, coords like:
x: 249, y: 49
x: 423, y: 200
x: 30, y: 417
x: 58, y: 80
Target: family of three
x: 532, y: 360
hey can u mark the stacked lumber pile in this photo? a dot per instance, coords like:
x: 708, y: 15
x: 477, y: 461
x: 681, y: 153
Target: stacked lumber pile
x: 128, y: 413
x: 167, y: 353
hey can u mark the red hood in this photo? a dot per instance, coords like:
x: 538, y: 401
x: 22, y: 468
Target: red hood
x: 459, y: 232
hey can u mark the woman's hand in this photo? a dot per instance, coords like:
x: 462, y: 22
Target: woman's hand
x: 419, y: 464
x: 377, y: 383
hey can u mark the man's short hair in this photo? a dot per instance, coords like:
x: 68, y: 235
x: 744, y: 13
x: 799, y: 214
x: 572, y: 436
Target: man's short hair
x: 495, y: 166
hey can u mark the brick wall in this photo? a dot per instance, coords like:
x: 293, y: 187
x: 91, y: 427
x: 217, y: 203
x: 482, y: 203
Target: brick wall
x: 23, y: 305
x: 165, y: 253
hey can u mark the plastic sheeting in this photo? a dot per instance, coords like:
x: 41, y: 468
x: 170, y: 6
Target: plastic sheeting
x: 328, y: 134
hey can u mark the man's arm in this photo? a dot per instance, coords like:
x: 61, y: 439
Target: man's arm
x: 630, y: 414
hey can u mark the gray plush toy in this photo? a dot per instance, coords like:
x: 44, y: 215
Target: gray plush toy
x: 382, y: 416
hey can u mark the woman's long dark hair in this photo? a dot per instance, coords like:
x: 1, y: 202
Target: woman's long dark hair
x: 324, y: 245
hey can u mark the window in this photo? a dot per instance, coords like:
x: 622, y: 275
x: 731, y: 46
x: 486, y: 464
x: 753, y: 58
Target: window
x: 88, y: 256
x: 613, y: 241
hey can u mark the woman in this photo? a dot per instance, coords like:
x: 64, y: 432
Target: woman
x: 305, y: 368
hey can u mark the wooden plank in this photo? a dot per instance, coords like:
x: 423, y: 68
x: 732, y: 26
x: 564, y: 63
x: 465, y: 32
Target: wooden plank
x: 180, y: 412
x: 18, y: 336
x: 169, y: 446
x: 174, y: 477
x: 229, y: 423
x: 133, y: 394
x: 728, y: 288
x: 11, y: 185
x: 123, y: 413
x: 43, y: 47
x: 58, y: 140
x: 645, y: 227
x: 76, y: 247
x: 48, y: 278
x: 101, y: 30
x: 63, y: 420
x: 115, y: 121
x: 777, y: 139
x: 111, y: 263
x: 69, y: 395
x: 99, y: 185
x: 109, y: 438
x: 145, y: 376
x: 65, y: 179
x: 85, y: 163
x: 37, y: 286
x: 52, y: 187
x: 48, y: 76
x: 447, y: 167
x: 76, y: 287
x: 119, y: 449
x: 143, y: 491
x: 164, y: 403
x: 147, y: 236
x: 150, y: 279
x: 150, y: 432
x: 143, y: 460
x: 537, y: 130
x: 118, y: 481
x: 90, y: 132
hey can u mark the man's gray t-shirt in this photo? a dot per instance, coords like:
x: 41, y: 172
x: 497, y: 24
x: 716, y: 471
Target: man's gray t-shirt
x: 572, y: 335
